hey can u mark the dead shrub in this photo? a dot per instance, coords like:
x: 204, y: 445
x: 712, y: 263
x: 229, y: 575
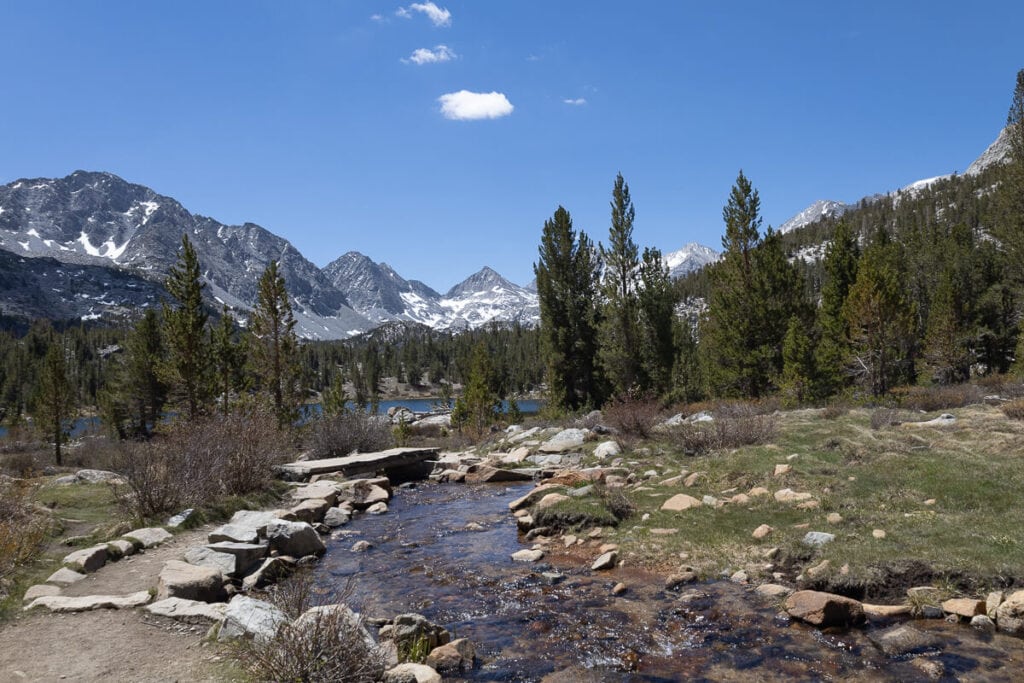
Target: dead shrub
x: 731, y: 428
x: 22, y: 530
x: 339, y: 435
x: 931, y: 399
x: 194, y: 463
x: 616, y: 501
x: 632, y: 416
x: 324, y: 641
x: 1014, y: 409
x: 834, y: 411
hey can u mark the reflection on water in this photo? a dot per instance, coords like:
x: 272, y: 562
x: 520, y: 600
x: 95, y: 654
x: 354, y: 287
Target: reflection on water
x: 423, y: 560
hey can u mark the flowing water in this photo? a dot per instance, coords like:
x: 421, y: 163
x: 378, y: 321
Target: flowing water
x: 425, y: 561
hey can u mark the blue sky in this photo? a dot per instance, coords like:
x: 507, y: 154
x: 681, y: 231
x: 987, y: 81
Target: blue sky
x: 321, y: 121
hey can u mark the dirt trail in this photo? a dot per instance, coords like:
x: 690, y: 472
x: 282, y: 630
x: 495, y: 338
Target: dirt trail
x: 112, y: 645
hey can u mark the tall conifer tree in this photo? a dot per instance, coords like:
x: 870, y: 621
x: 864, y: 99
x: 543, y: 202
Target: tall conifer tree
x: 619, y: 330
x: 833, y: 351
x: 55, y: 401
x: 187, y: 367
x: 568, y: 274
x: 657, y: 301
x: 274, y: 345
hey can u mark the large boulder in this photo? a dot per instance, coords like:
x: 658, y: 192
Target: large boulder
x: 190, y: 582
x: 964, y: 607
x: 87, y: 560
x: 336, y: 616
x: 1010, y: 614
x: 533, y: 496
x: 321, y: 490
x: 311, y: 510
x: 824, y: 609
x: 565, y: 440
x: 607, y: 449
x: 64, y: 577
x: 297, y: 539
x: 336, y: 517
x: 246, y: 617
x: 414, y: 630
x: 362, y: 494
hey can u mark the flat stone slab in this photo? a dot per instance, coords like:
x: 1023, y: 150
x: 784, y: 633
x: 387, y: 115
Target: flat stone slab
x: 87, y: 560
x: 360, y: 463
x: 204, y: 557
x: 247, y: 555
x: 40, y: 590
x: 64, y: 577
x: 189, y: 611
x: 85, y: 603
x: 149, y: 537
x: 254, y: 519
x: 234, y: 533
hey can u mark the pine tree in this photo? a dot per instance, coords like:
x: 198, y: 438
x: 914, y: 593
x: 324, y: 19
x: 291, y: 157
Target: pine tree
x: 778, y: 297
x: 478, y: 407
x: 567, y: 274
x: 55, y: 401
x: 334, y: 398
x: 833, y: 351
x: 274, y: 345
x: 729, y: 331
x: 619, y: 331
x: 656, y: 301
x: 881, y: 319
x: 228, y: 359
x: 798, y: 370
x: 1009, y: 227
x: 687, y: 379
x: 143, y: 391
x: 187, y: 367
x: 946, y: 351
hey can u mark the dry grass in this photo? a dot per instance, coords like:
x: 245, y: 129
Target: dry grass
x: 23, y: 530
x: 1014, y: 409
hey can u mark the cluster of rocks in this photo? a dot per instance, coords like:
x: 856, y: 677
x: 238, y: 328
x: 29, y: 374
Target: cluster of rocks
x: 77, y: 564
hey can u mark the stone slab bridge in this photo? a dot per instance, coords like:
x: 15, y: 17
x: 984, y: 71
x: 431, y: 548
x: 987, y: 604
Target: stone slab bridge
x: 395, y: 463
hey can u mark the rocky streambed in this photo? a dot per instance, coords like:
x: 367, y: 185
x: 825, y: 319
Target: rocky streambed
x: 444, y: 551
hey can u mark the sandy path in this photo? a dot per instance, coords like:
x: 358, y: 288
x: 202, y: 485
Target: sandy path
x: 109, y: 645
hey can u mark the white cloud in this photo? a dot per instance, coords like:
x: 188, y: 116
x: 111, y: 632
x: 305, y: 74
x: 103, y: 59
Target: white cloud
x: 470, y: 106
x: 438, y: 15
x: 376, y: 17
x: 578, y: 102
x: 441, y: 53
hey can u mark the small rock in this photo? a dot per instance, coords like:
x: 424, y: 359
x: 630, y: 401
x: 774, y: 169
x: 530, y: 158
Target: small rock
x: 762, y: 531
x: 964, y: 607
x: 607, y: 560
x: 878, y: 533
x: 758, y: 491
x: 740, y: 499
x: 781, y: 470
x: 773, y: 590
x: 931, y: 668
x: 361, y: 546
x: 551, y: 500
x: 692, y: 479
x: 930, y: 501
x: 808, y: 505
x: 824, y: 609
x: 180, y: 518
x: 818, y: 538
x: 1010, y: 614
x: 739, y: 577
x: 527, y: 555
x: 790, y: 496
x: 684, y: 576
x: 411, y: 673
x: 819, y: 569
x: 249, y: 618
x: 983, y: 623
x: 296, y: 539
x: 552, y: 578
x: 377, y: 508
x: 272, y: 569
x: 903, y: 640
x: 473, y: 526
x: 992, y: 602
x: 607, y: 449
x: 121, y: 547
x: 834, y: 518
x: 680, y: 502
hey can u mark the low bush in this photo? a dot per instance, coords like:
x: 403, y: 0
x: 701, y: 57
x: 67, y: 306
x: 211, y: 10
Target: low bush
x: 933, y: 398
x: 1014, y: 409
x: 632, y: 416
x: 339, y: 435
x: 194, y: 463
x: 736, y: 426
x: 324, y: 645
x: 22, y: 530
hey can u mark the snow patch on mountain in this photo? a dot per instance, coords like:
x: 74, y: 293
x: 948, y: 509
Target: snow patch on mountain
x: 823, y: 208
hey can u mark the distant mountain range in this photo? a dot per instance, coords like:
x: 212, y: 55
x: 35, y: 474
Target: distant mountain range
x: 92, y: 245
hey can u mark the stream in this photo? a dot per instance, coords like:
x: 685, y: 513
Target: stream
x: 424, y: 560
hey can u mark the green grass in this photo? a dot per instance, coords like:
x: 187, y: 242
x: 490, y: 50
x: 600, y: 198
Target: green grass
x: 875, y: 479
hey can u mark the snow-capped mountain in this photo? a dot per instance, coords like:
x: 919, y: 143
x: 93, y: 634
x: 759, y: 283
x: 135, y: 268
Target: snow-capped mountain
x: 691, y: 257
x: 98, y: 219
x: 376, y: 291
x: 823, y: 208
x: 93, y: 244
